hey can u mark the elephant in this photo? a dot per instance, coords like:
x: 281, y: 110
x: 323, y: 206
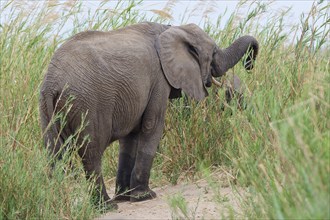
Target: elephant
x: 121, y: 81
x: 234, y: 88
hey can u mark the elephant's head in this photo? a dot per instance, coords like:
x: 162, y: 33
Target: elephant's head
x: 189, y: 58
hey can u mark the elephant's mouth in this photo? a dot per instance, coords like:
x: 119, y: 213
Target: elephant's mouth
x: 208, y: 81
x: 211, y: 80
x: 208, y: 84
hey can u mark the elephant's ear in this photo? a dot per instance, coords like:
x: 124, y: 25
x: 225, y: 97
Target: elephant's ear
x: 180, y: 57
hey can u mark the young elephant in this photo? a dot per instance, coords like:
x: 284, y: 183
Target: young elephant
x: 235, y: 88
x: 121, y: 80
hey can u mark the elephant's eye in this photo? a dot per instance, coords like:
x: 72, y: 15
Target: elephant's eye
x: 214, y: 51
x: 193, y: 51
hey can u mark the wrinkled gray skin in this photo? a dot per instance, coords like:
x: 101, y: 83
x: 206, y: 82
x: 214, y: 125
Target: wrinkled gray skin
x: 123, y: 79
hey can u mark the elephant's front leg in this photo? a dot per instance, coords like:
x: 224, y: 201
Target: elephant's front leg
x: 150, y: 135
x: 127, y: 154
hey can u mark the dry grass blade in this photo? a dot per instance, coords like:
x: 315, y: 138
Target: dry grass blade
x: 162, y: 13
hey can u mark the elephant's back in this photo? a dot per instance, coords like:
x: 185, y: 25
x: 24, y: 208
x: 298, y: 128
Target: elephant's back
x: 92, y: 61
x: 99, y: 68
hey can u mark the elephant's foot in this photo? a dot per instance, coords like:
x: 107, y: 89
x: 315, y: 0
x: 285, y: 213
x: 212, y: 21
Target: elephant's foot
x: 106, y: 206
x: 104, y: 203
x: 122, y: 196
x: 142, y: 195
x: 110, y: 205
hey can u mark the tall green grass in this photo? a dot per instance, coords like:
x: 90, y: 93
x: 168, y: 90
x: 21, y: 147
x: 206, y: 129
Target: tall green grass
x: 278, y: 148
x: 29, y: 36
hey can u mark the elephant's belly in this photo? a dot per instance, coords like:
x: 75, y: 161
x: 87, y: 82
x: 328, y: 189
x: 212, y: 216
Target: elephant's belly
x: 127, y: 114
x: 121, y: 129
x: 124, y: 122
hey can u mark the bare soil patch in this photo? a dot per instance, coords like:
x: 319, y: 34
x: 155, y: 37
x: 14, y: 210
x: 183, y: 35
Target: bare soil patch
x: 203, y: 202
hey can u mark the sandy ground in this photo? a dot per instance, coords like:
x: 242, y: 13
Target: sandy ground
x: 204, y: 202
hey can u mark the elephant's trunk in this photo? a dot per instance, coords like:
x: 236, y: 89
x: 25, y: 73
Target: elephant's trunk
x: 229, y: 57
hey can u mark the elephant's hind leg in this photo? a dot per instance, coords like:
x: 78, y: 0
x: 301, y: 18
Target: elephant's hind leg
x: 92, y: 160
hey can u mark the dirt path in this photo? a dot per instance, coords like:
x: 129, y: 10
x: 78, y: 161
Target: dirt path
x: 203, y: 202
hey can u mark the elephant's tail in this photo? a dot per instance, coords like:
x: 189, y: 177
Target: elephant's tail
x: 53, y: 139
